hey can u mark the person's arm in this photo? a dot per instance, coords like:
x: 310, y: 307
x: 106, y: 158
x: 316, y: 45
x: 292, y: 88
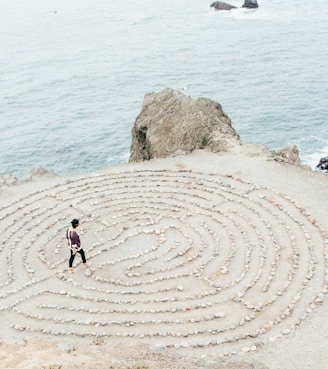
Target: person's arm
x: 67, y: 238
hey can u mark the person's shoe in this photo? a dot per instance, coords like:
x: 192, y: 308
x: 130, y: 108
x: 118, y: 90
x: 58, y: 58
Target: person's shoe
x: 70, y: 270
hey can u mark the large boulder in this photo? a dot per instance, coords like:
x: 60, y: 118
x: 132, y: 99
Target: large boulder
x: 172, y: 123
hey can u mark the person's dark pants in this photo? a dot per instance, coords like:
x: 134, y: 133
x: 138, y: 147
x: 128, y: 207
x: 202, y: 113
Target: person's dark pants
x: 71, y: 259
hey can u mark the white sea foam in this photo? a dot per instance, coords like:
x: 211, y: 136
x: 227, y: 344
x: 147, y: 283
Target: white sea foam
x: 313, y: 159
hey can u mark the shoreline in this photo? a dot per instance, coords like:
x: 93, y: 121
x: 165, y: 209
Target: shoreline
x: 39, y: 170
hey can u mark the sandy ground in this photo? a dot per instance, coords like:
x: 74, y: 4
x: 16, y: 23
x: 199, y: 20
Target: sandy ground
x: 200, y: 261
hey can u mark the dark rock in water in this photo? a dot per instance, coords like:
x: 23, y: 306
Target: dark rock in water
x: 250, y: 4
x: 171, y: 123
x: 220, y: 5
x: 323, y: 164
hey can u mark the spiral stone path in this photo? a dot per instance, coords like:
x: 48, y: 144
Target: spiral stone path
x: 177, y: 259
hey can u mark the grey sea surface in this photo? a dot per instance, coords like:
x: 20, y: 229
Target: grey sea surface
x: 73, y: 75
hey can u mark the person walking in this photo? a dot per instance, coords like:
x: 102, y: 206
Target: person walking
x: 74, y: 244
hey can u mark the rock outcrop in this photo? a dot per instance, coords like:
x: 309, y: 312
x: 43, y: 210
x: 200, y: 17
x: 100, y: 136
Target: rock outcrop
x: 288, y: 154
x: 172, y: 123
x: 36, y: 173
x: 220, y: 5
x: 8, y: 180
x: 39, y: 172
x: 323, y: 164
x: 250, y: 4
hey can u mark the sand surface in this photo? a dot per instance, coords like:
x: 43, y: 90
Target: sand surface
x: 200, y: 261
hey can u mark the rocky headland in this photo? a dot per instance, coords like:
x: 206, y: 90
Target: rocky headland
x: 203, y: 252
x: 172, y: 123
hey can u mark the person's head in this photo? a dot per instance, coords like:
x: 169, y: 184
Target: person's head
x: 75, y: 223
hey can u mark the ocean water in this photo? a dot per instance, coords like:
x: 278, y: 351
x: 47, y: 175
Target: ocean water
x: 73, y: 75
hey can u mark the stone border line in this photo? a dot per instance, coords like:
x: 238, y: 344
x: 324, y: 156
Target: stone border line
x: 177, y: 259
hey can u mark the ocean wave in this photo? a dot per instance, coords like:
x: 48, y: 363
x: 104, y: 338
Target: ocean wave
x: 312, y: 159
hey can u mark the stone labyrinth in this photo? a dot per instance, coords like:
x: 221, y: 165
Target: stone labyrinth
x: 179, y: 259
